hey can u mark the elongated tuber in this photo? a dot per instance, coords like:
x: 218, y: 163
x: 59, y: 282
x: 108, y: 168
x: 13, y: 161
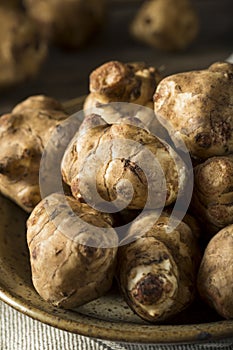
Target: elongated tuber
x: 23, y: 135
x: 157, y: 271
x: 72, y: 262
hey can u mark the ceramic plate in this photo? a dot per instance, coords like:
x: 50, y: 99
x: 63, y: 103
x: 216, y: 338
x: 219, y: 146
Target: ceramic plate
x: 106, y: 318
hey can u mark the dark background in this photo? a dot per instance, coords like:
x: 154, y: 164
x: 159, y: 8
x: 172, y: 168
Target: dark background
x: 64, y: 75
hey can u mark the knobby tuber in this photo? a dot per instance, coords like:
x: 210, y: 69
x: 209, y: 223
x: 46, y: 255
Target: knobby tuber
x: 157, y: 271
x: 23, y: 135
x: 104, y: 158
x: 197, y: 106
x: 72, y: 262
x: 116, y: 81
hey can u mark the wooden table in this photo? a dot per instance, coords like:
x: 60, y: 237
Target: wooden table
x: 64, y: 75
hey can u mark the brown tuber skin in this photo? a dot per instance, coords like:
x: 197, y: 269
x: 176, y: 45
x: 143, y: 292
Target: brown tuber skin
x: 198, y: 107
x: 22, y: 50
x: 116, y: 81
x: 212, y: 194
x: 166, y: 24
x: 23, y: 135
x: 157, y: 271
x: 215, y: 277
x: 71, y: 262
x: 68, y: 24
x: 120, y: 147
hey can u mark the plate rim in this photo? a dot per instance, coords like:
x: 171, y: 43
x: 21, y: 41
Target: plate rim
x: 119, y: 331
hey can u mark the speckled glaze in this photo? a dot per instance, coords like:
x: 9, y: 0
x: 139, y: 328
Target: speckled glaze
x: 107, y: 317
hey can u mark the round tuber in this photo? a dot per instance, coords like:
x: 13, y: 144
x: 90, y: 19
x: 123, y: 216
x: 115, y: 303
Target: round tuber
x: 165, y: 24
x: 198, y: 107
x: 103, y: 160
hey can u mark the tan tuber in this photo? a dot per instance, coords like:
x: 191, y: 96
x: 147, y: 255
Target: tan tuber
x: 157, y: 271
x: 23, y: 135
x: 102, y: 159
x: 197, y: 107
x: 212, y: 194
x: 22, y: 49
x: 116, y: 81
x: 166, y: 24
x: 69, y: 24
x: 72, y: 251
x: 215, y: 277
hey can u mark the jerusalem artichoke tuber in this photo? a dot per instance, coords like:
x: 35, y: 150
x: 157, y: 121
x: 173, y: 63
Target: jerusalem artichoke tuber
x: 72, y: 262
x: 23, y: 135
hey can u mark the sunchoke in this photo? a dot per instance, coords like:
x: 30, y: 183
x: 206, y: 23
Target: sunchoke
x: 22, y: 50
x: 23, y: 135
x: 197, y: 106
x: 69, y: 24
x: 157, y: 271
x: 104, y: 158
x: 212, y: 194
x: 165, y: 24
x: 72, y: 262
x: 115, y: 81
x: 215, y: 277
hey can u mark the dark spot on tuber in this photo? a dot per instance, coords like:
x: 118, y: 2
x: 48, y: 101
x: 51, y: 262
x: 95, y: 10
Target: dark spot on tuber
x: 158, y: 260
x: 178, y: 88
x: 203, y: 140
x: 86, y: 250
x: 54, y: 214
x: 157, y: 97
x: 35, y: 253
x: 147, y: 20
x: 58, y: 128
x: 3, y: 169
x: 134, y: 168
x: 58, y: 252
x: 149, y: 290
x: 27, y: 153
x: 229, y: 76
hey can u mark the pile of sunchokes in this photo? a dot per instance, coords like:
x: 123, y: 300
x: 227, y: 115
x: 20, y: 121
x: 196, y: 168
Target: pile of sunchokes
x: 76, y: 247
